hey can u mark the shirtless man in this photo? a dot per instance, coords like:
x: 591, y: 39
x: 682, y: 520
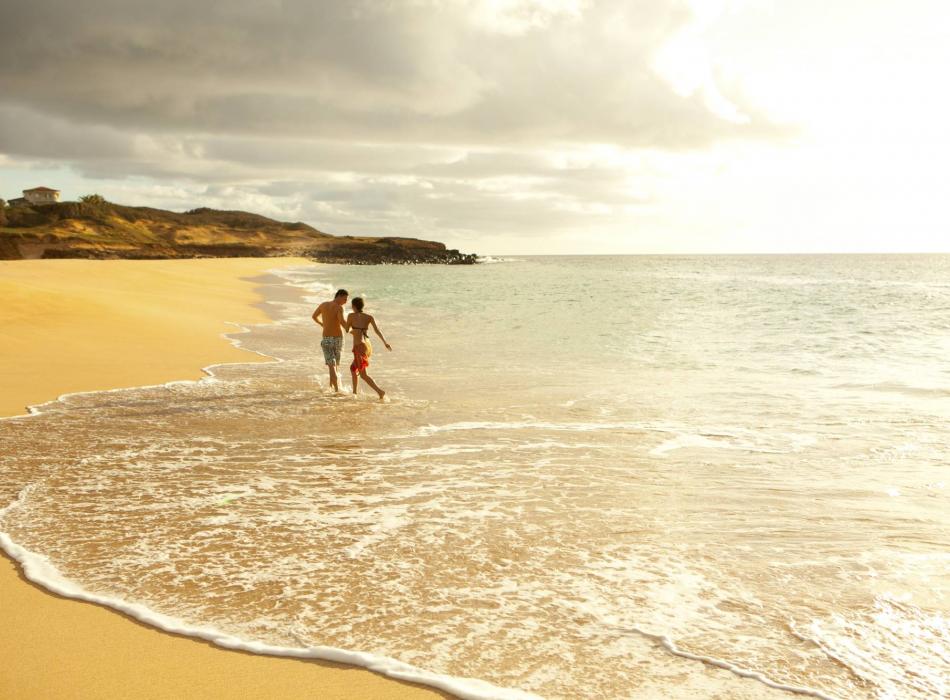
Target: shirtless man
x: 330, y: 315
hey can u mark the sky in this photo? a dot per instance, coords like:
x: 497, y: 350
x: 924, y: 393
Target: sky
x: 498, y: 126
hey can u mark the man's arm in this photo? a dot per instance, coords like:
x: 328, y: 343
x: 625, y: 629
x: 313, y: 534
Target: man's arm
x: 344, y: 322
x: 372, y: 322
x: 316, y: 315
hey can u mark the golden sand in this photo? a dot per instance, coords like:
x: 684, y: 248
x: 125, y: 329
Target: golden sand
x: 81, y: 325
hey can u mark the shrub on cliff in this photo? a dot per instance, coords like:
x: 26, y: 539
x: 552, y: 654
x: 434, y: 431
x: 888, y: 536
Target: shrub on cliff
x: 3, y: 212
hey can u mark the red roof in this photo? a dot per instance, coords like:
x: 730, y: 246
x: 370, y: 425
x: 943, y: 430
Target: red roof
x: 41, y: 189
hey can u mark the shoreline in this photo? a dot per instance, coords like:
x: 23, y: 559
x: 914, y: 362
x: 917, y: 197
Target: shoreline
x: 58, y: 646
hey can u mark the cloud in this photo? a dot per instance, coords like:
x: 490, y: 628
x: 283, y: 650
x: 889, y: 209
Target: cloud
x: 318, y: 107
x: 417, y: 71
x: 24, y: 132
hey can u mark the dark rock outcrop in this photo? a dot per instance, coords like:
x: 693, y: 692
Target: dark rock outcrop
x: 389, y: 251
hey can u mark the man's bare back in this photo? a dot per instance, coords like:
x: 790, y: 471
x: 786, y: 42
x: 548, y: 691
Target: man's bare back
x: 330, y: 315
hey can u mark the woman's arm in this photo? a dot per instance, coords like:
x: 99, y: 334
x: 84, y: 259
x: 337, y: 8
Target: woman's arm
x: 372, y: 322
x: 348, y: 322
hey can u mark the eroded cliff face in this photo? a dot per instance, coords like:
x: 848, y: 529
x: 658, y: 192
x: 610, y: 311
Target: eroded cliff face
x: 9, y: 250
x: 106, y: 230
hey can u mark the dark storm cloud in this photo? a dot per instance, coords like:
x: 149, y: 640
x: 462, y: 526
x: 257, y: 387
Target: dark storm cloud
x: 258, y: 94
x: 415, y: 71
x: 27, y: 133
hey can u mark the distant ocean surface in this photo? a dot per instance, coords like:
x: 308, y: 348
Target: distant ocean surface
x: 597, y: 477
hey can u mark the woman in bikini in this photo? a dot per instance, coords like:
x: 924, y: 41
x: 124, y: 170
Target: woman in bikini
x: 359, y: 324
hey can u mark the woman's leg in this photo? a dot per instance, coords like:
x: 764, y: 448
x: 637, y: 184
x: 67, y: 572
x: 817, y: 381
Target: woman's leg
x: 369, y: 380
x: 356, y: 365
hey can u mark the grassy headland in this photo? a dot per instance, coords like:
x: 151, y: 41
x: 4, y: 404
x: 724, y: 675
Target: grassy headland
x: 103, y: 230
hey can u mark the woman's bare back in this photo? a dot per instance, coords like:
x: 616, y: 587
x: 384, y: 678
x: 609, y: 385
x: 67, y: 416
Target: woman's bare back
x: 359, y: 324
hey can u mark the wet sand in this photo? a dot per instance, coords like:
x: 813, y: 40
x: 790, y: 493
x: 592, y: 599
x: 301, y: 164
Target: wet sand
x: 83, y: 325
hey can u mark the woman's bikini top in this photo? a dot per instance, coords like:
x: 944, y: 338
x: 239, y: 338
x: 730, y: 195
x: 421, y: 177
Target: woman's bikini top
x: 364, y: 331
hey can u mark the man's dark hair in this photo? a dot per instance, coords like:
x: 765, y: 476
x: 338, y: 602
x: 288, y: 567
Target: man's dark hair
x: 341, y: 293
x: 358, y: 303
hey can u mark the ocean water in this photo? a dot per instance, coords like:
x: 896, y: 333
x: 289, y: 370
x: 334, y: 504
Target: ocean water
x: 596, y: 477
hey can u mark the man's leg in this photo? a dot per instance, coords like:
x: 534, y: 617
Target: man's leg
x: 331, y: 352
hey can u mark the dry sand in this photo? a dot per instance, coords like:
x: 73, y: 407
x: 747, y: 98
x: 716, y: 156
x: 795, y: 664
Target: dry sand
x: 80, y: 325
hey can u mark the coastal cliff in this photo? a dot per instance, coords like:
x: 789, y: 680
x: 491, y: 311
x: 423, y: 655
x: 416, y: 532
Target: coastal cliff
x: 103, y: 230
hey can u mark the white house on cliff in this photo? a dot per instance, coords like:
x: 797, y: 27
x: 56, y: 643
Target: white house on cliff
x: 37, y: 195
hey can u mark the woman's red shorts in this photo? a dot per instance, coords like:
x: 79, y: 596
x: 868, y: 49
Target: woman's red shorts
x: 360, y: 361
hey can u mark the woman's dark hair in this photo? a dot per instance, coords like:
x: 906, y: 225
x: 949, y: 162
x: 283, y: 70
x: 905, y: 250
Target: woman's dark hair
x: 358, y: 303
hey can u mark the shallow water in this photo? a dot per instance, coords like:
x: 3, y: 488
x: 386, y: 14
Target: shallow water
x: 591, y: 471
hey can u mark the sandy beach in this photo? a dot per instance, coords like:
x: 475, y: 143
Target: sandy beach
x: 82, y: 325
